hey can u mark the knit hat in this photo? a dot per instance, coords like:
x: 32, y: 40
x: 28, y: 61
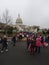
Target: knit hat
x: 5, y: 36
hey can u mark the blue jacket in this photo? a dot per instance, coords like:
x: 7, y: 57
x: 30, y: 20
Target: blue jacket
x: 47, y: 39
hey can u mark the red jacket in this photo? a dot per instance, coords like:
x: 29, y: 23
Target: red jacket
x: 38, y: 42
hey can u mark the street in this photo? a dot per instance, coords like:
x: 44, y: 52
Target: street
x: 18, y: 55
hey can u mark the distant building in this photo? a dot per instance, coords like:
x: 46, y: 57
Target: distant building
x: 19, y: 23
x: 19, y: 20
x: 21, y: 27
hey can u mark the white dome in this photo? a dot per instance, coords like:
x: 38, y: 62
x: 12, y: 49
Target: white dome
x: 19, y: 20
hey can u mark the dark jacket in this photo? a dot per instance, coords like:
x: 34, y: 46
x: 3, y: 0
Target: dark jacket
x: 5, y: 41
x: 14, y: 39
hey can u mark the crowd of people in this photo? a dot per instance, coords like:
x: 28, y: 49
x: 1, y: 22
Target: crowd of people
x: 34, y: 42
x: 4, y: 41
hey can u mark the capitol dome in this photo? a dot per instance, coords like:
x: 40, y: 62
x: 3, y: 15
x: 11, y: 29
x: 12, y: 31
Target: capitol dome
x: 19, y: 20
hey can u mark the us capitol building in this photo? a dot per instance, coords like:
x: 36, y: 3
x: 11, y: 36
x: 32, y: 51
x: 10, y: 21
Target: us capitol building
x: 21, y: 27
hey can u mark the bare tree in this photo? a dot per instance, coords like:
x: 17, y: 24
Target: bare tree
x: 6, y: 19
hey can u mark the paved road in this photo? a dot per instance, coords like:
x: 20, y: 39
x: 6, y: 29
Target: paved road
x: 18, y: 55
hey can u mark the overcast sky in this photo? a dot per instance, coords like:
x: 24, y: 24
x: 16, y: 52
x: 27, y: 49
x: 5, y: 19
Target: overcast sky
x: 32, y: 12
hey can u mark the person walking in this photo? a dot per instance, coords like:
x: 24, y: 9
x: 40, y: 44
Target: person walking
x: 4, y: 44
x: 31, y: 46
x: 14, y: 40
x: 38, y: 44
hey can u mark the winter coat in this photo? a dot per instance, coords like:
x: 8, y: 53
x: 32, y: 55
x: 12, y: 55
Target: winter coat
x: 14, y: 39
x: 47, y: 39
x: 4, y: 41
x: 38, y: 42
